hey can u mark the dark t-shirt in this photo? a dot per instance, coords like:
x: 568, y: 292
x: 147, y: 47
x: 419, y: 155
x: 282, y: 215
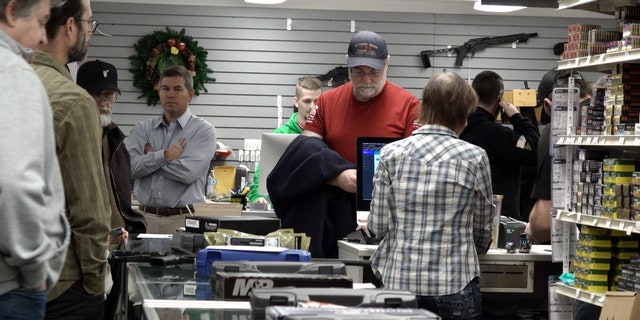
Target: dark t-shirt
x: 542, y: 186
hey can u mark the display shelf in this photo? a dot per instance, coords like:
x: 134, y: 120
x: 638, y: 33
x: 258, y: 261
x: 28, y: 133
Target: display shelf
x: 582, y: 295
x: 600, y: 61
x: 604, y: 141
x: 627, y: 226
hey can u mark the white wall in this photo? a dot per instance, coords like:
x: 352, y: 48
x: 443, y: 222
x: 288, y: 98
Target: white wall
x: 255, y: 58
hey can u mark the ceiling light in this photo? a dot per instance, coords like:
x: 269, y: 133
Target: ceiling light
x: 265, y: 1
x: 494, y: 8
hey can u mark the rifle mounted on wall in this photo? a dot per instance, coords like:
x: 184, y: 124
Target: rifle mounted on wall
x: 474, y: 45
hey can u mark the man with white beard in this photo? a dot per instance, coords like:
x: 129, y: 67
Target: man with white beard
x: 100, y: 79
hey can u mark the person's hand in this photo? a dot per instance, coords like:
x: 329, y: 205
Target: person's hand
x: 116, y: 240
x: 261, y: 200
x: 147, y: 148
x: 346, y: 180
x: 509, y: 108
x: 175, y: 150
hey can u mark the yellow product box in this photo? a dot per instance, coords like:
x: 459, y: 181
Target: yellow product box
x: 591, y: 275
x: 594, y: 240
x: 592, y: 263
x: 618, y: 165
x: 594, y: 230
x: 624, y: 253
x: 625, y: 243
x: 593, y: 252
x: 617, y: 177
x: 592, y: 286
x: 636, y: 178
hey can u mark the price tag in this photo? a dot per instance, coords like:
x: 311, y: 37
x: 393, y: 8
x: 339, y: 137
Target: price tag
x: 595, y: 140
x: 601, y: 58
x: 577, y: 293
x: 561, y: 140
x: 629, y: 230
x: 588, y: 140
x: 579, y: 140
x: 571, y: 140
x: 577, y: 62
x: 621, y: 226
x: 636, y: 141
x: 621, y: 140
x: 607, y: 224
x: 603, y: 142
x: 592, y: 296
x: 578, y: 216
x: 626, y: 54
x: 594, y: 221
x: 588, y: 59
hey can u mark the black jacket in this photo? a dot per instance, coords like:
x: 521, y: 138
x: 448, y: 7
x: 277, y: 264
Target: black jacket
x: 120, y: 175
x: 507, y: 153
x: 302, y: 199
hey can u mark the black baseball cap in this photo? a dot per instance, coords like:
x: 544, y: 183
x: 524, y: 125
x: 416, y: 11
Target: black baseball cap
x: 95, y: 76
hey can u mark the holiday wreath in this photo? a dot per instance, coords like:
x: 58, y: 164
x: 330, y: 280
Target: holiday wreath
x: 161, y: 49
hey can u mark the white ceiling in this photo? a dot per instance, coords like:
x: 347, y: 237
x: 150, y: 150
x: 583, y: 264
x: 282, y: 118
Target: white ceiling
x: 415, y: 6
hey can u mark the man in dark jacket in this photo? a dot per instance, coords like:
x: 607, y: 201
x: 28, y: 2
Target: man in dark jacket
x: 508, y: 149
x: 100, y: 79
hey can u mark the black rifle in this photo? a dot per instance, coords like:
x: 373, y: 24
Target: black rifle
x: 474, y: 45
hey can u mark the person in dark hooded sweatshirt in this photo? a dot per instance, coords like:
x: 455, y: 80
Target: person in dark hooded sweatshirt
x: 508, y: 148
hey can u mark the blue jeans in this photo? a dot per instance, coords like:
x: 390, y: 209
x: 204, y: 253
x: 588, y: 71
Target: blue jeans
x: 466, y: 304
x: 23, y: 304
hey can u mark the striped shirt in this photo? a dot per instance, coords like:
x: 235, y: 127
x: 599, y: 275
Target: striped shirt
x: 432, y: 208
x: 171, y: 184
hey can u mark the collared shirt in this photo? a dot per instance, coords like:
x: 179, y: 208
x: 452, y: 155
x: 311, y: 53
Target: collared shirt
x: 432, y: 208
x: 78, y: 137
x: 171, y: 184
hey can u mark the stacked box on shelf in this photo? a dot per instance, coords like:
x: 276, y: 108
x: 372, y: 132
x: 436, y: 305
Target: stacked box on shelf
x: 617, y: 199
x: 592, y: 116
x: 626, y: 110
x: 587, y: 179
x: 629, y: 277
x: 635, y: 196
x: 626, y: 15
x: 593, y: 255
x: 630, y: 36
x: 578, y: 41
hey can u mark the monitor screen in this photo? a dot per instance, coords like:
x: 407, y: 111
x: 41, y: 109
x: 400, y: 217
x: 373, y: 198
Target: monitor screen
x: 273, y: 146
x: 368, y: 157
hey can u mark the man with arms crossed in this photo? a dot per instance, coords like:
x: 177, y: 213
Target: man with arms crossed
x: 34, y: 232
x: 80, y: 292
x: 171, y: 155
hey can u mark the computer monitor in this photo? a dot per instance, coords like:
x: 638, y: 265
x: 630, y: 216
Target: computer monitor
x: 273, y: 146
x: 368, y: 157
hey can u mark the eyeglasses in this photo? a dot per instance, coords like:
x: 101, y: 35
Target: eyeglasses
x: 359, y: 73
x: 93, y: 24
x: 104, y: 97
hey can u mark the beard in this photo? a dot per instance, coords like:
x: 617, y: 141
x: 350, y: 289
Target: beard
x: 105, y: 120
x: 79, y: 52
x: 365, y: 92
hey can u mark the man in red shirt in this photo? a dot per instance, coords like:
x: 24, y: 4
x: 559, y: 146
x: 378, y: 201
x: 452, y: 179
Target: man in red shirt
x: 313, y: 186
x: 369, y: 105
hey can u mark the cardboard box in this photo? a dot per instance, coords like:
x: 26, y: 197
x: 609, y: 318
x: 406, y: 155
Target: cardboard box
x: 620, y: 305
x: 520, y: 97
x: 214, y: 209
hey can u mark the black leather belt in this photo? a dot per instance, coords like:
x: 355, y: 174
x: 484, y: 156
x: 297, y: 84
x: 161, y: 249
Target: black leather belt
x: 166, y: 211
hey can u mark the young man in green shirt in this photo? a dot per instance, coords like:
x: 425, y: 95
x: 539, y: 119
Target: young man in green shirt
x: 308, y: 89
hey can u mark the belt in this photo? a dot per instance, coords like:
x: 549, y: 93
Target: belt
x: 166, y: 211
